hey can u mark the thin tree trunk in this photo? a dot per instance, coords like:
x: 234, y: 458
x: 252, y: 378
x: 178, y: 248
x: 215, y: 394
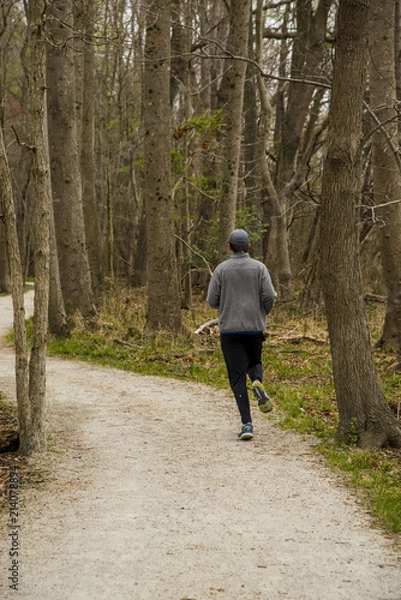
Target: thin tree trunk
x: 3, y: 260
x: 21, y: 344
x: 363, y: 410
x: 397, y: 51
x: 84, y: 23
x: 36, y: 440
x: 233, y: 90
x: 31, y: 378
x: 386, y: 170
x: 250, y: 151
x: 3, y: 242
x: 186, y: 275
x: 57, y: 316
x: 140, y: 274
x: 308, y: 53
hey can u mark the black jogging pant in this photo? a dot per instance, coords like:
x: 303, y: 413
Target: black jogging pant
x: 243, y: 356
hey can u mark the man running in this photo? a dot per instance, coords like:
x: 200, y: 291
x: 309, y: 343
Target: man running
x: 242, y: 290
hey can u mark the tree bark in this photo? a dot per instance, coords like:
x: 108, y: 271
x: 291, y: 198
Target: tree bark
x: 270, y: 199
x: 307, y: 57
x: 3, y: 260
x: 31, y: 376
x: 3, y: 72
x: 84, y: 22
x: 57, y: 318
x: 233, y: 94
x: 363, y: 411
x: 58, y: 325
x: 36, y: 440
x: 250, y: 150
x: 185, y: 258
x: 163, y: 290
x: 65, y: 163
x: 397, y: 52
x: 386, y: 168
x: 7, y: 211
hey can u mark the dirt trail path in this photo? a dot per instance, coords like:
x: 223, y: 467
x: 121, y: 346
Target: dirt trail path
x: 154, y: 499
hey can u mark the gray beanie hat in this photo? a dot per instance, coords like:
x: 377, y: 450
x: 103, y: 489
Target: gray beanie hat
x: 239, y: 239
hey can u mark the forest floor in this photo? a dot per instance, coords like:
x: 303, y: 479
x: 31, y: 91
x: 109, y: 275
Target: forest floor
x: 146, y: 494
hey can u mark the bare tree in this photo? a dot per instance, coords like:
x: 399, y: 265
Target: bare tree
x: 7, y: 212
x: 31, y: 374
x: 84, y: 23
x: 65, y: 161
x: 4, y: 33
x: 163, y: 291
x: 232, y: 93
x: 36, y: 439
x: 363, y: 411
x: 386, y: 165
x: 307, y: 57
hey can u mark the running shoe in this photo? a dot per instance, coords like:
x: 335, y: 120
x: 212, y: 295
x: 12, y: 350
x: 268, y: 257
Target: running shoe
x: 264, y: 402
x: 246, y: 432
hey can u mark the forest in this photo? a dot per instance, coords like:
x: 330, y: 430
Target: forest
x: 136, y: 134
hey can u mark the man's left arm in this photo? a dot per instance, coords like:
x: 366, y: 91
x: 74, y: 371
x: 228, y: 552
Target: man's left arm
x: 269, y: 294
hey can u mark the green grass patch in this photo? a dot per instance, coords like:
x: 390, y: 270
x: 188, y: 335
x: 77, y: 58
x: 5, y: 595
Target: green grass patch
x: 376, y: 476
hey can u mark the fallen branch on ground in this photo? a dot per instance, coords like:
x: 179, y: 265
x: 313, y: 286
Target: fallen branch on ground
x: 206, y: 327
x: 375, y: 298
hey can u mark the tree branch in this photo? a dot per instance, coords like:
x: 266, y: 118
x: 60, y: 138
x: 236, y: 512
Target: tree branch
x: 227, y: 54
x: 23, y: 144
x: 196, y: 254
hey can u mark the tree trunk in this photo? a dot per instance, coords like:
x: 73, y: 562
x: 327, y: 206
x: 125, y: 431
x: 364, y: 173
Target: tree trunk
x: 363, y: 411
x: 65, y: 163
x: 3, y: 259
x: 397, y: 51
x: 21, y: 344
x: 386, y: 168
x: 41, y: 176
x: 250, y: 151
x: 84, y: 23
x: 307, y: 56
x: 233, y: 93
x: 3, y: 246
x: 31, y: 379
x: 57, y: 316
x: 270, y: 199
x: 186, y: 258
x: 140, y: 274
x: 163, y: 290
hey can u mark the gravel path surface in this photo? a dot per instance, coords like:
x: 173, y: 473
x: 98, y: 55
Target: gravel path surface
x: 151, y: 497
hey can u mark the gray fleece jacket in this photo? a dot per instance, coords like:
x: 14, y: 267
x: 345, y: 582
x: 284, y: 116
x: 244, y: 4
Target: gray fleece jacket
x: 243, y: 292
